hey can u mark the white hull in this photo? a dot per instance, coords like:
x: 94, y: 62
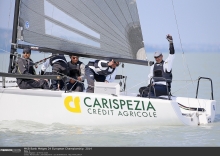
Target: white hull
x: 45, y: 106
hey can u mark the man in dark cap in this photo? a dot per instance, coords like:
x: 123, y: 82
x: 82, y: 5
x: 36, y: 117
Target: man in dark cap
x: 25, y: 66
x: 161, y: 74
x: 76, y: 70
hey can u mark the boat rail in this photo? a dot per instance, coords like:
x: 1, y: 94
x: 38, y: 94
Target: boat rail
x: 168, y: 93
x: 212, y: 98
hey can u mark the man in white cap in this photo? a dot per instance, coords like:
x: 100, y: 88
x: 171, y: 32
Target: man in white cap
x: 161, y: 74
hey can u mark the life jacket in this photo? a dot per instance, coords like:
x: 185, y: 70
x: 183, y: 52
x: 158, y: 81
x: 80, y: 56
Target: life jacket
x: 27, y: 64
x: 100, y: 71
x: 159, y: 73
x: 59, y: 63
x: 74, y: 69
x: 57, y: 58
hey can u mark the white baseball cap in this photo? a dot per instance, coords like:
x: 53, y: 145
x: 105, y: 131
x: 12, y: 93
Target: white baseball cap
x: 157, y: 54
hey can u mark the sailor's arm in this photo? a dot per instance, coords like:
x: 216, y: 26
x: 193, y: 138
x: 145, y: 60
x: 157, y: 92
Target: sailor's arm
x: 150, y: 75
x: 44, y: 66
x: 169, y: 61
x: 82, y: 71
x: 111, y: 77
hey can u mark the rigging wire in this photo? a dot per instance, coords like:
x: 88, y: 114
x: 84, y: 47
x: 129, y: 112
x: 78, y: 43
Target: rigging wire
x: 183, y: 53
x: 181, y: 42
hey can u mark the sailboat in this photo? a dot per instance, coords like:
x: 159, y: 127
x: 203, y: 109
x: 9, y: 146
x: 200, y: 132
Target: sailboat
x: 94, y: 29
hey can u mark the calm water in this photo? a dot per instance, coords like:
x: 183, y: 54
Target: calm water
x: 188, y: 67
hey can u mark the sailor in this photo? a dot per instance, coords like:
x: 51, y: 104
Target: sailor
x: 161, y: 74
x: 59, y: 66
x: 101, y: 71
x: 76, y: 70
x: 25, y: 66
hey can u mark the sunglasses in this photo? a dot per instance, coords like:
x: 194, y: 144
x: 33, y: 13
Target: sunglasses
x: 26, y: 53
x: 117, y: 64
x: 74, y: 57
x: 157, y: 57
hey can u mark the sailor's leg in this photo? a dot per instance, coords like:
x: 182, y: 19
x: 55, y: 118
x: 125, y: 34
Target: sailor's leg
x: 44, y: 84
x: 36, y: 84
x: 160, y: 90
x: 89, y: 75
x: 69, y: 85
x: 54, y: 84
x: 25, y: 84
x: 79, y: 86
x: 61, y: 84
x: 142, y: 91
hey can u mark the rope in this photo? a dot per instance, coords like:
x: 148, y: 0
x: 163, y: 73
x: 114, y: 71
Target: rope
x: 184, y: 62
x: 180, y: 41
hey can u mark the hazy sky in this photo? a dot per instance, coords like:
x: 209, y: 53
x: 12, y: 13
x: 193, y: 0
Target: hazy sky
x: 198, y: 22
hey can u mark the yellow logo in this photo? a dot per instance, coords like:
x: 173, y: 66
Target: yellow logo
x: 76, y: 101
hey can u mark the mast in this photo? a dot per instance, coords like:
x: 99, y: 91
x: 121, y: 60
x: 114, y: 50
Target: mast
x: 14, y: 36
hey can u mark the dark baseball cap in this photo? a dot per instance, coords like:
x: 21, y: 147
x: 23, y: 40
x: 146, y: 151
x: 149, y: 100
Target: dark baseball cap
x: 27, y: 50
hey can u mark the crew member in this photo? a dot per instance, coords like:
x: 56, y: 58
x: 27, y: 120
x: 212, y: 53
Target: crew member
x: 101, y: 71
x: 59, y: 67
x: 76, y: 70
x: 161, y: 74
x: 25, y: 66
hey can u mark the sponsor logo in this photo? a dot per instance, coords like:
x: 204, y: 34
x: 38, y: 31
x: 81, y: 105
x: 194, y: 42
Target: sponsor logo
x: 104, y: 106
x: 75, y: 102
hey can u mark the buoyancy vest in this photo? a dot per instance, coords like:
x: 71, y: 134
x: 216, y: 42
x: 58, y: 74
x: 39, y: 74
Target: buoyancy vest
x: 100, y: 71
x: 59, y: 63
x: 59, y: 57
x: 159, y: 73
x: 27, y: 64
x: 74, y: 69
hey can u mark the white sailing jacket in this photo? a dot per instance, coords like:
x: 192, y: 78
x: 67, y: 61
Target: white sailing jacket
x: 167, y: 66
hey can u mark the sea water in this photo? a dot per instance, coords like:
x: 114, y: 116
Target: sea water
x: 187, y: 68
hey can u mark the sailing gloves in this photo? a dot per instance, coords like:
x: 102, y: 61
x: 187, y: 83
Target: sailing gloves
x: 169, y: 38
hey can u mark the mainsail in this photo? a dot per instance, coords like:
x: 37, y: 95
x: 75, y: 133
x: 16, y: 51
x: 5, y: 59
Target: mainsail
x: 96, y: 27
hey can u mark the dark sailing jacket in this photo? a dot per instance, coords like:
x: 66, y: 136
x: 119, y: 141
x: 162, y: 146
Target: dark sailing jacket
x: 59, y: 63
x: 57, y: 58
x: 74, y: 69
x: 24, y: 66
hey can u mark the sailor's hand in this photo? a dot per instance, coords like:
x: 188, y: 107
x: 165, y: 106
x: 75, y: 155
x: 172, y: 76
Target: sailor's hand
x: 106, y: 81
x: 36, y: 79
x: 111, y: 63
x: 72, y: 81
x: 170, y: 38
x: 79, y: 79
